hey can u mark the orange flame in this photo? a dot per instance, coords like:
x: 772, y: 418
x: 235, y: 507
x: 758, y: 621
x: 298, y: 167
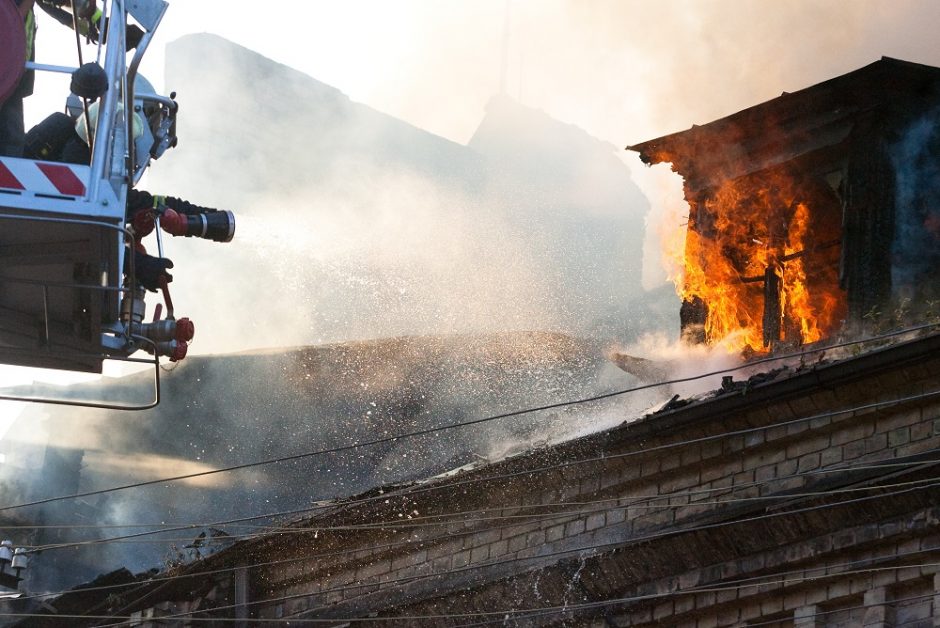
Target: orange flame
x: 748, y: 229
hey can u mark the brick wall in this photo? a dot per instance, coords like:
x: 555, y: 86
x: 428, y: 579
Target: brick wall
x: 803, y: 501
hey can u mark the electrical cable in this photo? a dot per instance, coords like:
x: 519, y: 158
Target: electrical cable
x: 607, y: 458
x: 307, y: 510
x: 396, y: 525
x: 530, y: 472
x: 592, y: 550
x: 416, y: 490
x: 579, y: 461
x: 827, y: 470
x: 271, y: 563
x: 761, y: 580
x: 295, y: 621
x: 589, y: 605
x: 200, y: 574
x: 549, y: 610
x: 588, y: 551
x: 693, y: 590
x: 178, y: 526
x: 163, y: 526
x: 204, y: 573
x: 857, y: 607
x: 433, y: 430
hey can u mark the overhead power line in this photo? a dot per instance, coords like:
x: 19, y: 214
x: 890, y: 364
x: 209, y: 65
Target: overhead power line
x: 584, y: 551
x: 406, y: 524
x: 518, y: 615
x: 313, y: 555
x: 433, y: 430
x: 239, y: 522
x: 127, y: 619
x: 530, y: 472
x: 530, y: 613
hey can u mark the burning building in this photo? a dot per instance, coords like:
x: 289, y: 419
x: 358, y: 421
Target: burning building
x: 812, y: 211
x: 803, y: 496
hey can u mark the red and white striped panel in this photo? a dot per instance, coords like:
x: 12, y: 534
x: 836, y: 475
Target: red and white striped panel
x: 43, y: 177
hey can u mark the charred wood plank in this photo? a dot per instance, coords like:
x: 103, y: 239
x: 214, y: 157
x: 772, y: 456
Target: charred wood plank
x: 773, y: 312
x: 692, y: 316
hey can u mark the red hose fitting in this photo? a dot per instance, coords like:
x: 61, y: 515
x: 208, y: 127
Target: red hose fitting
x: 173, y: 222
x: 167, y: 330
x: 175, y: 350
x: 179, y: 352
x: 185, y: 330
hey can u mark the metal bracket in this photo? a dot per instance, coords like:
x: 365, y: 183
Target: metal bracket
x: 147, y: 12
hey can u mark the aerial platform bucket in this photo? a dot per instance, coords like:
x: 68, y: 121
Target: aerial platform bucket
x: 63, y: 239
